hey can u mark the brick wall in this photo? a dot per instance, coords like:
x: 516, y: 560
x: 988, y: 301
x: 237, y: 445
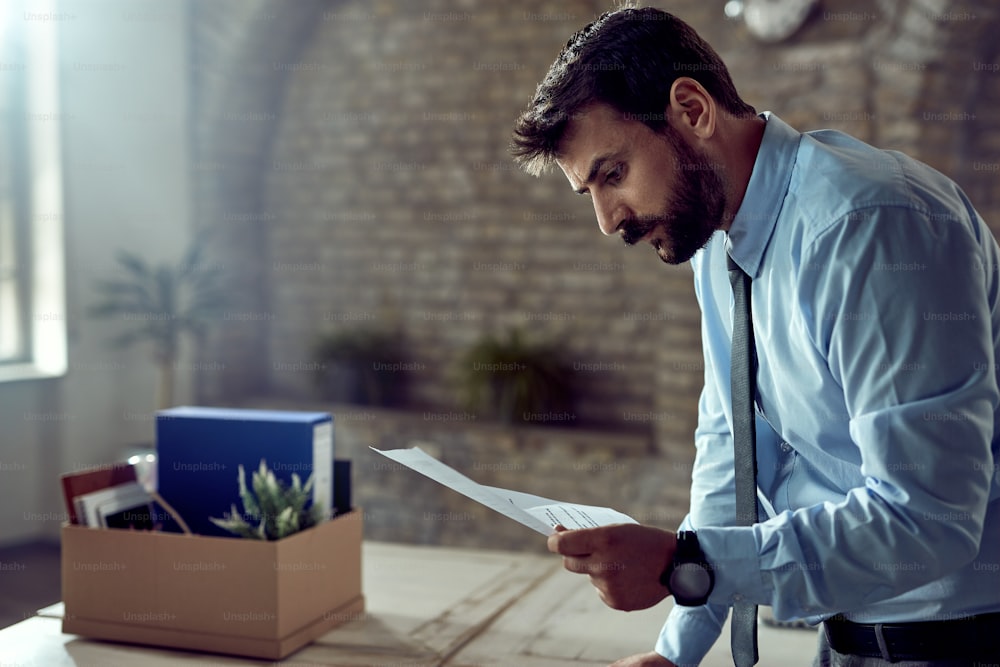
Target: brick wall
x: 397, y: 204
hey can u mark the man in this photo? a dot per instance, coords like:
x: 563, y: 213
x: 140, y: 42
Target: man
x: 876, y: 313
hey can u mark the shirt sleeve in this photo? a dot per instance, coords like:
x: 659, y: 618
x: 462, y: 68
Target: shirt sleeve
x: 898, y: 303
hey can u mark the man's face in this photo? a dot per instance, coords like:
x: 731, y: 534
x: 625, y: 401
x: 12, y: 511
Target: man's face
x: 645, y: 185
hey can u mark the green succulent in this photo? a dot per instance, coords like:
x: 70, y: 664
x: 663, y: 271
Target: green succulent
x: 274, y: 509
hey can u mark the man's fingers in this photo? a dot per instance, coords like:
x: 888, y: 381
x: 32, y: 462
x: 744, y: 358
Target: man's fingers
x: 577, y: 565
x: 573, y: 542
x: 553, y: 542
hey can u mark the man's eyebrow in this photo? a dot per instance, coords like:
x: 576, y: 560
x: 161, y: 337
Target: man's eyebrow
x: 595, y: 167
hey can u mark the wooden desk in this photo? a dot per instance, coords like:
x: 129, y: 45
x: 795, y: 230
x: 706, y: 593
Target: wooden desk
x: 433, y: 606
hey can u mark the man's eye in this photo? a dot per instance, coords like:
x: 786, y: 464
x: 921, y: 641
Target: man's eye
x: 615, y: 175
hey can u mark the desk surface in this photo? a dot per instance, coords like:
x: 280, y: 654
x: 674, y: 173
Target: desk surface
x: 434, y: 606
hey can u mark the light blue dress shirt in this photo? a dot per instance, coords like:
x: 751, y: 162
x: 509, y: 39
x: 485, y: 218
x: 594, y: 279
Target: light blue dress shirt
x: 876, y: 311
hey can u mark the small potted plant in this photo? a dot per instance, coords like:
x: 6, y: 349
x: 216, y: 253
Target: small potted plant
x: 274, y: 510
x: 514, y: 380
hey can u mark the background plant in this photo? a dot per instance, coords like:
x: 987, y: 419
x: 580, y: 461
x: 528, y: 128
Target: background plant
x: 356, y: 362
x: 161, y: 303
x: 274, y: 510
x: 513, y: 379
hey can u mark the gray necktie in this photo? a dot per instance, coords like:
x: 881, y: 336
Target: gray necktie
x: 743, y: 373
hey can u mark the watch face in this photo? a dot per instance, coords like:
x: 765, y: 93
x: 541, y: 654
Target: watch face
x: 690, y: 580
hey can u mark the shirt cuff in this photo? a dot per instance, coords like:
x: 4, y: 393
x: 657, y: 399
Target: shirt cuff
x: 734, y: 553
x: 689, y: 633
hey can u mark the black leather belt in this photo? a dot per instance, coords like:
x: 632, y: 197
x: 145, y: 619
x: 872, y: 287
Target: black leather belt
x: 972, y: 638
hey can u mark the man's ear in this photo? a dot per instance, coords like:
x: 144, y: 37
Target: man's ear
x: 692, y: 110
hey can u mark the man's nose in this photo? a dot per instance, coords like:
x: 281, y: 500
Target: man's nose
x: 609, y: 216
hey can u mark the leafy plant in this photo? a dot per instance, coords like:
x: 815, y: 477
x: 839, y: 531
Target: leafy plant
x: 357, y: 363
x: 275, y: 511
x: 514, y: 380
x: 164, y: 302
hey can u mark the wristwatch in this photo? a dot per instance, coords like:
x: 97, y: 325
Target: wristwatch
x: 689, y: 576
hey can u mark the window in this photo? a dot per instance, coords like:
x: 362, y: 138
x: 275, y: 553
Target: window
x: 32, y: 267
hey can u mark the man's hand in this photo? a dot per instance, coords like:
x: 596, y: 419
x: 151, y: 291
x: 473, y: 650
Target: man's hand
x: 624, y: 561
x: 650, y: 659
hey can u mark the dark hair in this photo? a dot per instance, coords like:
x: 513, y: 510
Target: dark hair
x: 628, y: 58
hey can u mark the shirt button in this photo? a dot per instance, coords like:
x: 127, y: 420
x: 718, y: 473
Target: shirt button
x: 785, y: 447
x: 737, y: 597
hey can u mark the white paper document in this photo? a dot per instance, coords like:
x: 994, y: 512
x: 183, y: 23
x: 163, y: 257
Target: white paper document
x: 540, y: 514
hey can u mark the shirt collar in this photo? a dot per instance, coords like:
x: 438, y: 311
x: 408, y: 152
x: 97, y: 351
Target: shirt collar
x: 754, y: 222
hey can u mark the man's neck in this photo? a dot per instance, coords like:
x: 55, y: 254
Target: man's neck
x: 745, y: 137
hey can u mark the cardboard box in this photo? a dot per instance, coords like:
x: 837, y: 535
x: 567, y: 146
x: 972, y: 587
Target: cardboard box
x: 218, y: 594
x: 199, y: 451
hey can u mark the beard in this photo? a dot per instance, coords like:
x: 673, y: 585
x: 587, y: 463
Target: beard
x: 690, y: 214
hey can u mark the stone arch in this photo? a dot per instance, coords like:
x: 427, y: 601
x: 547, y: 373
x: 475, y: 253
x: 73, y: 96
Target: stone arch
x: 241, y: 52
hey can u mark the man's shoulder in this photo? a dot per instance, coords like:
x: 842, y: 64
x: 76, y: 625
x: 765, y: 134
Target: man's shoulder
x: 838, y: 179
x: 839, y: 174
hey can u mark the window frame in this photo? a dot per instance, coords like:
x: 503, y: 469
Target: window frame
x: 37, y: 195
